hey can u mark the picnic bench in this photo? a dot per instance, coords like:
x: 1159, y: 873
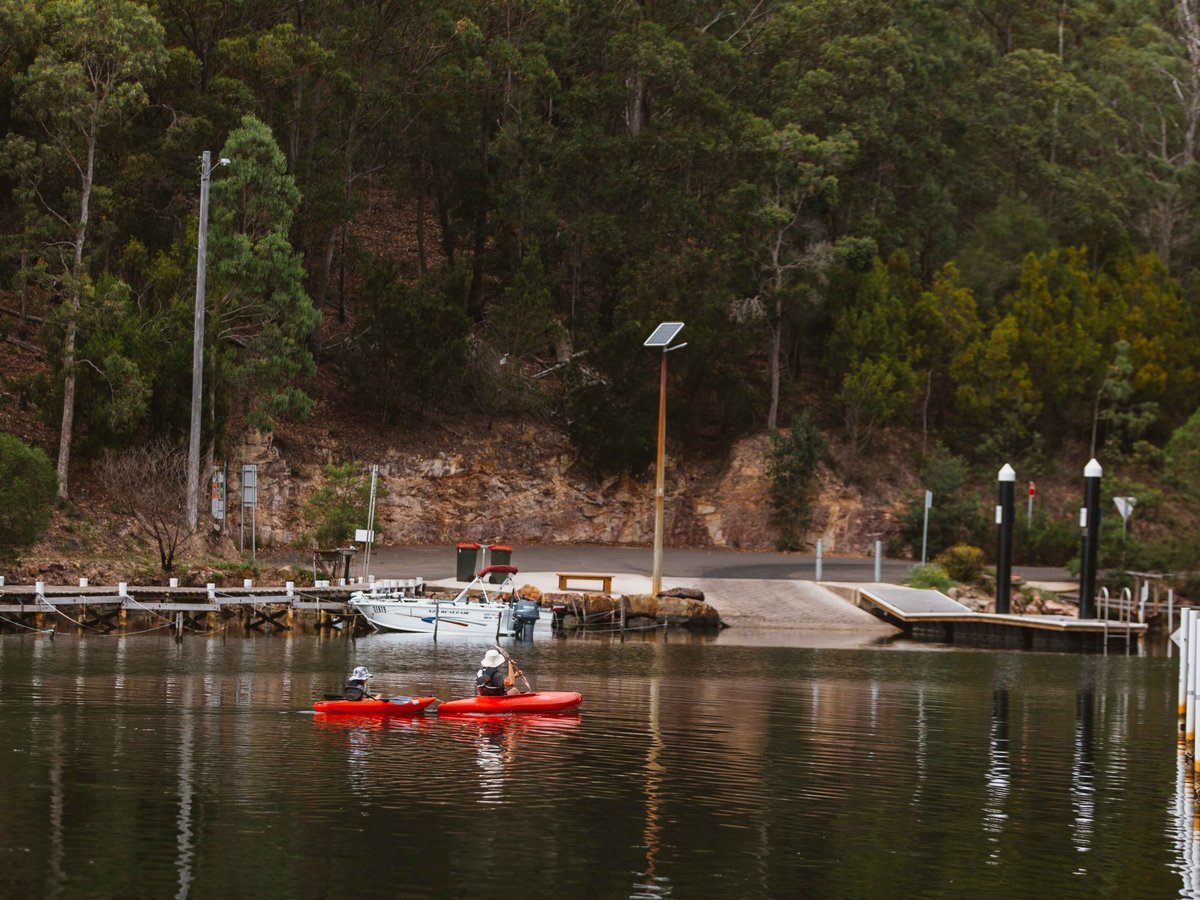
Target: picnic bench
x: 564, y: 579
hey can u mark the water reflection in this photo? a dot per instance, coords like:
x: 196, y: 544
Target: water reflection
x: 1083, y: 772
x: 692, y: 770
x: 999, y: 774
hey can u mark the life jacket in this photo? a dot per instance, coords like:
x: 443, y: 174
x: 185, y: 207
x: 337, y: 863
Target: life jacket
x: 355, y: 689
x: 488, y: 684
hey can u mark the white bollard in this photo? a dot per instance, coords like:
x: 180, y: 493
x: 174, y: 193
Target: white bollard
x: 1189, y: 725
x: 820, y: 557
x: 40, y: 588
x: 370, y: 579
x: 291, y: 588
x: 1185, y: 621
x: 1185, y: 664
x: 122, y: 589
x: 878, y: 561
x: 83, y: 582
x: 174, y: 582
x: 247, y: 582
x: 1, y: 581
x: 212, y: 591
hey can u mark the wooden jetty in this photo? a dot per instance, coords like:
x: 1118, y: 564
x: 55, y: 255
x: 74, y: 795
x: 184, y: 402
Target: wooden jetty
x: 105, y: 609
x: 930, y: 615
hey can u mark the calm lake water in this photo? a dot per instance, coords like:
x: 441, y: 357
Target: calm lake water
x: 138, y: 767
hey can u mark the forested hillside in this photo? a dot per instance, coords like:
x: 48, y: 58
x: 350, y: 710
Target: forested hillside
x: 969, y: 220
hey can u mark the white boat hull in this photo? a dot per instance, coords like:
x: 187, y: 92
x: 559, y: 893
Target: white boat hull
x: 423, y: 616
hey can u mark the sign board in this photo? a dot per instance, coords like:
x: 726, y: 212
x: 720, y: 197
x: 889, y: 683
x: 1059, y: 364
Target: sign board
x: 364, y: 536
x: 928, y: 499
x: 1177, y: 637
x: 249, y: 485
x: 1032, y: 489
x: 1125, y: 505
x: 218, y: 492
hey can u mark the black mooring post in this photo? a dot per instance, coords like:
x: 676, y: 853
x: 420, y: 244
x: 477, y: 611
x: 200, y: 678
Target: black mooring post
x: 1089, y: 521
x: 1004, y: 523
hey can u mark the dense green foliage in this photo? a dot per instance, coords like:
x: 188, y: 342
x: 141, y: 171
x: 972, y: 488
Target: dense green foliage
x: 792, y: 469
x: 968, y: 219
x: 340, y: 505
x: 27, y: 493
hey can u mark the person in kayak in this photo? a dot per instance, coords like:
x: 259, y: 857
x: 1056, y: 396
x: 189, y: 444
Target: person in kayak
x: 356, y: 687
x: 496, y: 676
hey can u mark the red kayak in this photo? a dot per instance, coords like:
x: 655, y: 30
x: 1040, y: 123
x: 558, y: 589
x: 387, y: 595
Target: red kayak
x: 534, y: 702
x: 397, y: 706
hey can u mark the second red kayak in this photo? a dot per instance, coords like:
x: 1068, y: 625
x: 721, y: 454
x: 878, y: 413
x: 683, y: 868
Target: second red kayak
x: 398, y: 706
x: 534, y: 702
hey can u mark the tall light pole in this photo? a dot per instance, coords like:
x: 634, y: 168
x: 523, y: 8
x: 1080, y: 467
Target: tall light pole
x: 661, y: 337
x: 193, y: 473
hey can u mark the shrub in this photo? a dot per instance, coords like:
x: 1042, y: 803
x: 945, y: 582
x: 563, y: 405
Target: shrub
x: 930, y: 575
x: 962, y: 562
x: 955, y: 515
x: 28, y: 487
x: 340, y: 506
x: 792, y: 469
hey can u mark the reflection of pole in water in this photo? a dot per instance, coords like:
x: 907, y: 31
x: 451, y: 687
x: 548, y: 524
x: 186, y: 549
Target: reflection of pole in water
x: 57, y: 877
x: 183, y: 822
x: 654, y: 770
x: 1083, y: 773
x: 922, y: 746
x: 1186, y: 826
x: 999, y: 773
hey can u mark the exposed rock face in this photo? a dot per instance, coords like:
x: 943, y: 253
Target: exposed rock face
x: 523, y: 486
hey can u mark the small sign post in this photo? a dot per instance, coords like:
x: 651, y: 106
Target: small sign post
x: 249, y: 498
x: 218, y: 494
x: 925, y: 529
x: 1125, y: 507
x: 1032, y: 493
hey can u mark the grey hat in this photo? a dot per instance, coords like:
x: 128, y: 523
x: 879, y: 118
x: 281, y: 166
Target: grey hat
x: 360, y: 673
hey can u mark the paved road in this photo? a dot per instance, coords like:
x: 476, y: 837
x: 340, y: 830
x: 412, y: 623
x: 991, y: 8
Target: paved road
x: 434, y: 563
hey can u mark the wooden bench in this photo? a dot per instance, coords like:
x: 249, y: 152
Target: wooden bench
x: 565, y: 577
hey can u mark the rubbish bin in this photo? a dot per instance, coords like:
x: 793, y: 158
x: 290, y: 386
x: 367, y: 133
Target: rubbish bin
x: 501, y: 556
x: 465, y: 561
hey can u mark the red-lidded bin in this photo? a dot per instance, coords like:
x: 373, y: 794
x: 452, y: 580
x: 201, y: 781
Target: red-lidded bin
x: 501, y: 555
x: 465, y: 561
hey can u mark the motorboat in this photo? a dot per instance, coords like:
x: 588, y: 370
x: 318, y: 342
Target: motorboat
x: 482, y: 608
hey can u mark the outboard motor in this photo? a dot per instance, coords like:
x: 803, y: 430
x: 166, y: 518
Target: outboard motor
x: 525, y: 614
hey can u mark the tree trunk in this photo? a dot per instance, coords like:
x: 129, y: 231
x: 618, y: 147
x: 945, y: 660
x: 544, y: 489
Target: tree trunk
x: 68, y: 414
x: 420, y: 186
x: 474, y: 297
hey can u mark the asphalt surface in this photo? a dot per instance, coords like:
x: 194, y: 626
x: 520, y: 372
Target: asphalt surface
x: 438, y: 563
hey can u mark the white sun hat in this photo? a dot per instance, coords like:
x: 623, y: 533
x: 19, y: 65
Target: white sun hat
x: 491, y: 659
x: 360, y: 673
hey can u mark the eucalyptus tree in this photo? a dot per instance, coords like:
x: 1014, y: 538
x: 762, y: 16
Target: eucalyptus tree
x: 259, y: 317
x: 89, y: 73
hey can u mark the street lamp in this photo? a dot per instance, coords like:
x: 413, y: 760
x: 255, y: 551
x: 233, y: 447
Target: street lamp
x: 661, y: 337
x: 193, y: 472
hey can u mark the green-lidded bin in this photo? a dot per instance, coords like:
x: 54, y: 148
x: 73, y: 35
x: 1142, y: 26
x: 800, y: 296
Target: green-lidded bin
x: 465, y: 561
x: 501, y: 556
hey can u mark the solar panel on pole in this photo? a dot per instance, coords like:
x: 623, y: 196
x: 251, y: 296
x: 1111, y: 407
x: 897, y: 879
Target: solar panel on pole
x: 663, y: 334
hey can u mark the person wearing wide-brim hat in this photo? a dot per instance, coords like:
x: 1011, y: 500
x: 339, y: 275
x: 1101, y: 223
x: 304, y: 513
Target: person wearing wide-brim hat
x: 356, y: 686
x: 496, y: 676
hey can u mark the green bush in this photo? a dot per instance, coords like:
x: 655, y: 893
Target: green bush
x: 930, y: 575
x: 955, y: 516
x: 340, y: 506
x: 792, y: 469
x: 28, y: 488
x: 1048, y: 541
x: 962, y: 562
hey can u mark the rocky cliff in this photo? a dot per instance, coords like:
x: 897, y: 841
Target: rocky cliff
x: 516, y: 484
